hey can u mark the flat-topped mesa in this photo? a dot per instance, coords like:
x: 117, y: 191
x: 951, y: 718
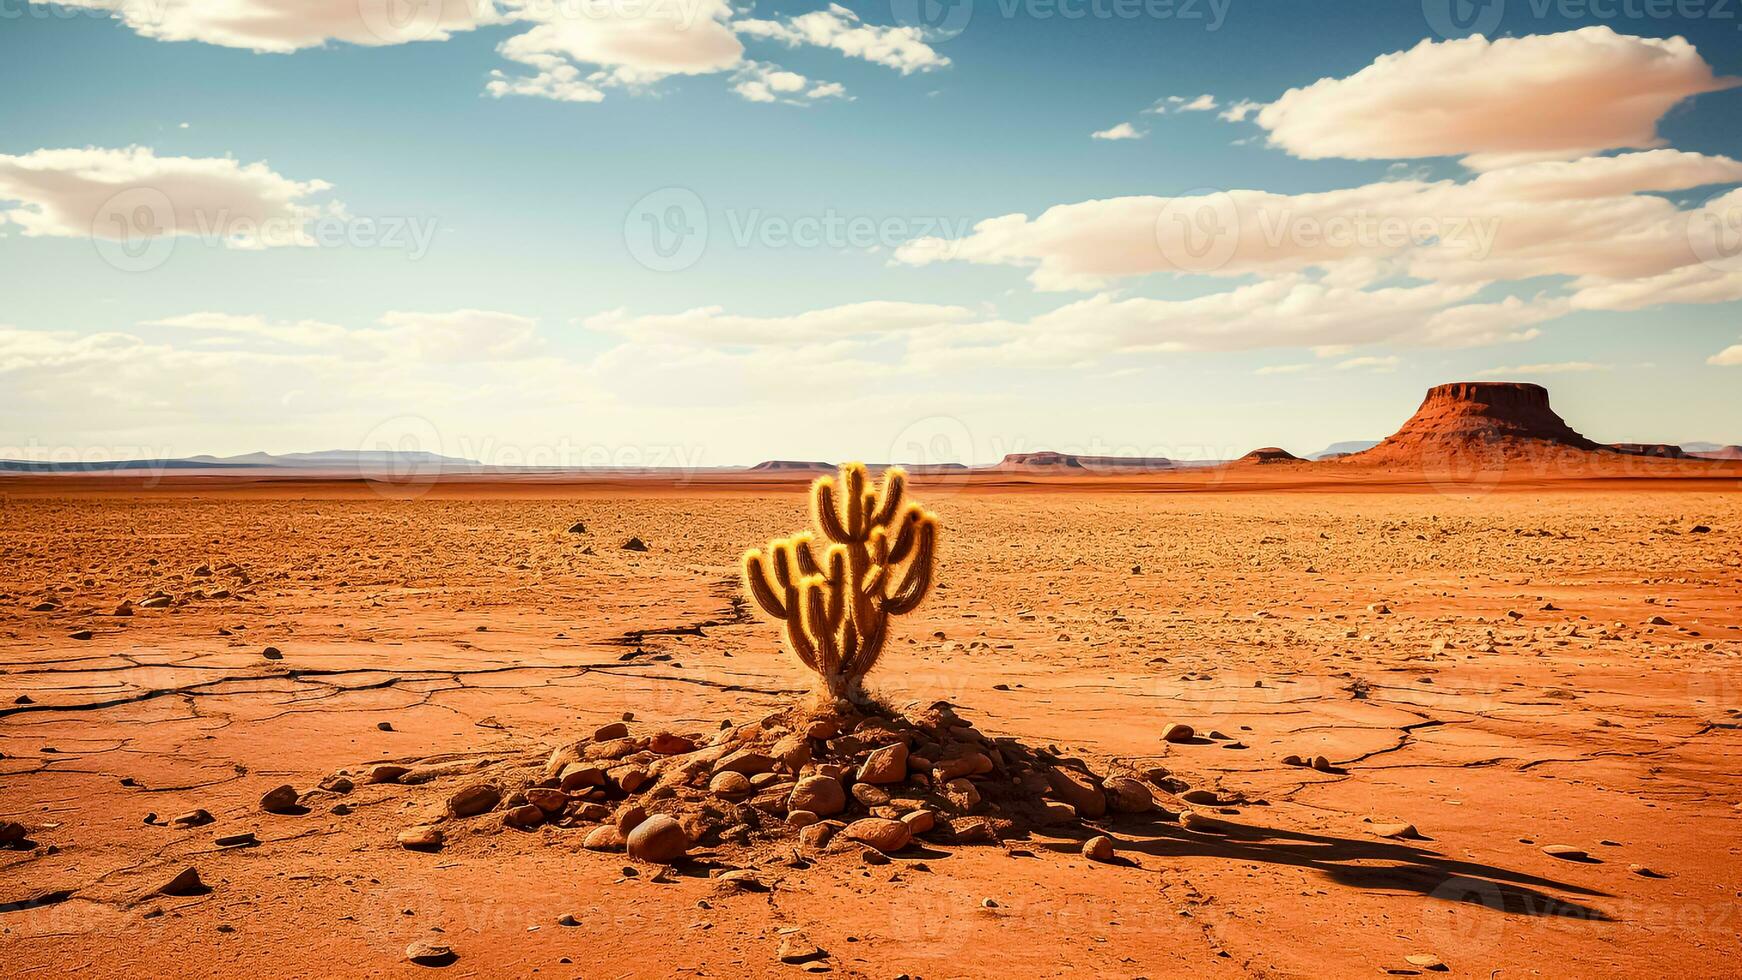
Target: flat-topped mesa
x: 1270, y: 454
x: 1055, y: 462
x: 1479, y: 416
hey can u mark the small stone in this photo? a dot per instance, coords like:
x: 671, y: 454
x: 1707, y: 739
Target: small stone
x: 1565, y: 852
x: 337, y: 784
x: 525, y: 816
x: 746, y: 762
x: 244, y: 839
x: 385, y: 773
x: 551, y: 801
x: 1202, y: 797
x: 1398, y: 830
x: 1321, y: 763
x: 1076, y: 789
x: 885, y: 765
x: 192, y: 818
x: 578, y: 527
x: 817, y: 835
x: 185, y: 883
x: 1127, y: 795
x: 567, y: 919
x: 80, y: 635
x: 660, y: 839
x: 634, y: 544
x: 606, y: 838
x: 731, y: 784
x: 281, y: 799
x: 800, y: 818
x: 384, y: 726
x: 919, y: 821
x: 821, y: 795
x: 422, y: 838
x: 887, y: 836
x: 429, y: 954
x: 795, y: 947
x: 1098, y: 848
x: 611, y: 732
x: 1426, y: 961
x: 629, y: 817
x: 1178, y: 733
x: 665, y: 743
x: 469, y: 801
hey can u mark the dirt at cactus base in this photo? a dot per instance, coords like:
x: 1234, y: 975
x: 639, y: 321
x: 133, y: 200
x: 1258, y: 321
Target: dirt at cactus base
x: 799, y: 783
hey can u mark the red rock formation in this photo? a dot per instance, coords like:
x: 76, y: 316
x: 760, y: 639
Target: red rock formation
x: 1479, y: 420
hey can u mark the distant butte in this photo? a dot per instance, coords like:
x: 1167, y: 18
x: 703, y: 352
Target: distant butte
x: 1471, y: 421
x: 1270, y: 454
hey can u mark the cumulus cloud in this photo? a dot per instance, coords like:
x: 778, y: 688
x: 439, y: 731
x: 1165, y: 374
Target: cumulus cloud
x: 1509, y: 100
x: 1728, y: 357
x: 1369, y: 363
x: 1238, y: 111
x: 713, y: 325
x: 132, y: 194
x: 1558, y: 367
x: 1123, y: 131
x: 1594, y: 218
x: 901, y: 48
x: 282, y: 26
x: 455, y: 336
x: 758, y: 81
x: 1180, y: 103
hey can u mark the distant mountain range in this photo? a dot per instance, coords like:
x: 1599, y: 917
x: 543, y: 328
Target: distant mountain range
x: 328, y: 460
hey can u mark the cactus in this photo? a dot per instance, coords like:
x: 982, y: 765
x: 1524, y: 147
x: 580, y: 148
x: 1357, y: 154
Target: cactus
x: 878, y: 563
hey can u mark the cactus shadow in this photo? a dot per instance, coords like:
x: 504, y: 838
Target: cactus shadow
x: 1373, y: 865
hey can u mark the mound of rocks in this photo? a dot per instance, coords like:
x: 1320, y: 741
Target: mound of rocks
x: 836, y: 778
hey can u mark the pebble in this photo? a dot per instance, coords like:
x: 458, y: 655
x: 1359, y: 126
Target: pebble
x: 729, y: 784
x: 422, y: 838
x: 281, y: 799
x: 469, y: 801
x: 429, y: 954
x: 821, y: 795
x: 243, y: 839
x: 660, y: 839
x: 272, y: 653
x: 1565, y: 852
x: 1178, y: 733
x: 185, y: 883
x: 192, y: 818
x: 1098, y: 848
x: 887, y: 836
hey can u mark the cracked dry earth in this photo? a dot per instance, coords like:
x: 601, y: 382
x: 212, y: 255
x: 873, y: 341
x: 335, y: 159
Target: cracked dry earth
x: 1503, y: 672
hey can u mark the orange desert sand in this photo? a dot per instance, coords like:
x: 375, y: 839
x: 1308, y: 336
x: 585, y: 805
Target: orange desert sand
x: 1467, y: 703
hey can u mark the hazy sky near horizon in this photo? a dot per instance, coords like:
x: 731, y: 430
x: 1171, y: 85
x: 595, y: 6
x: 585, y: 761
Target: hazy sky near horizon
x: 693, y: 232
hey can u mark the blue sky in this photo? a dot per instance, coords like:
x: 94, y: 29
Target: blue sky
x: 486, y: 281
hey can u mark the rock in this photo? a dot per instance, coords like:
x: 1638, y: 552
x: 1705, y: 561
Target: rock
x: 551, y: 801
x: 919, y: 821
x: 192, y: 818
x: 429, y: 954
x: 630, y: 779
x: 281, y: 799
x: 582, y: 775
x: 821, y: 795
x: 384, y: 726
x: 592, y: 812
x: 422, y: 838
x: 629, y: 817
x: 1293, y: 760
x: 469, y: 801
x: 732, y: 784
x: 665, y: 743
x: 1405, y: 831
x: 795, y: 947
x: 1426, y: 961
x: 1076, y: 789
x: 337, y: 784
x: 1098, y: 848
x: 567, y: 919
x: 1054, y: 814
x: 244, y: 839
x: 1193, y: 820
x: 1321, y: 763
x: 885, y: 765
x: 80, y: 635
x: 746, y: 762
x: 1127, y: 795
x: 1565, y: 852
x: 525, y: 816
x: 606, y: 838
x: 611, y: 732
x: 800, y: 818
x: 887, y: 836
x: 272, y: 653
x: 870, y: 795
x: 1177, y: 733
x: 1201, y: 797
x: 817, y: 835
x: 385, y: 773
x: 185, y: 883
x: 578, y: 527
x: 634, y: 544
x: 660, y: 839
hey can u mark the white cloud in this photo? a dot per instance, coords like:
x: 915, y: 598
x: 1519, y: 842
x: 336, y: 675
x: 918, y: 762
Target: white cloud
x: 1369, y: 363
x: 712, y: 325
x: 129, y: 194
x: 1179, y: 103
x: 1728, y: 357
x: 1559, y: 367
x: 1282, y: 369
x: 1592, y: 218
x: 1509, y: 100
x: 1123, y: 131
x: 282, y: 26
x: 762, y: 82
x: 1238, y: 111
x: 455, y: 336
x: 901, y: 48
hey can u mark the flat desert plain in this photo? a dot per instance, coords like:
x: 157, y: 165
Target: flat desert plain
x: 1527, y: 697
